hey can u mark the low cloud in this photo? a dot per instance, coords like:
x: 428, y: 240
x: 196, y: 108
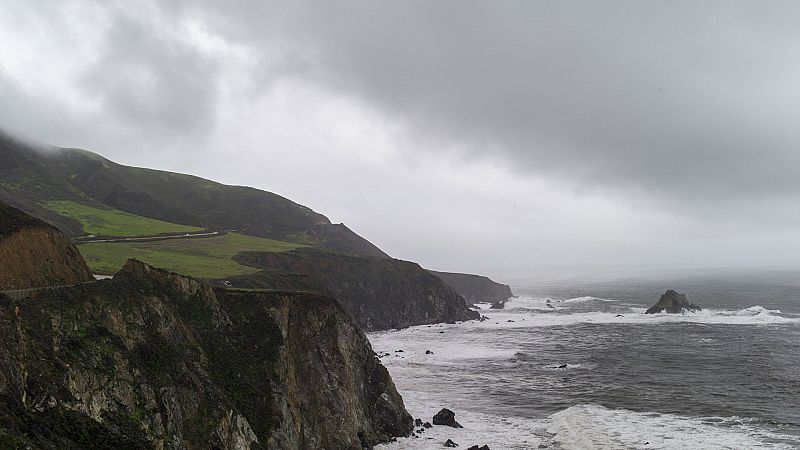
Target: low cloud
x: 681, y: 114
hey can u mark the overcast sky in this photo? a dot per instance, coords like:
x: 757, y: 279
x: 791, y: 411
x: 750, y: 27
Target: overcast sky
x: 498, y: 137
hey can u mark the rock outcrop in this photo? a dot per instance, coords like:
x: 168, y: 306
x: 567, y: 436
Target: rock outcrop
x: 447, y: 418
x: 152, y: 359
x: 34, y: 254
x: 477, y: 288
x: 673, y: 303
x: 378, y: 293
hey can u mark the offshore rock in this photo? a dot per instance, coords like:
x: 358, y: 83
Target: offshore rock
x: 447, y: 418
x: 672, y: 303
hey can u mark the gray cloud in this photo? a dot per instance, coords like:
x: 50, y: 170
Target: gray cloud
x: 686, y: 102
x: 149, y: 79
x: 681, y: 117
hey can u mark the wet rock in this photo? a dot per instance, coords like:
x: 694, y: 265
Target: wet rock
x: 398, y: 351
x: 427, y: 425
x: 509, y: 320
x: 619, y: 315
x: 482, y: 447
x: 428, y: 352
x: 450, y: 443
x: 447, y: 418
x: 417, y: 422
x: 563, y: 366
x: 673, y: 303
x: 483, y: 319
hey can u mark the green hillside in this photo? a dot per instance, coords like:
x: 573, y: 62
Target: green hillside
x: 110, y: 222
x: 31, y: 178
x: 198, y: 257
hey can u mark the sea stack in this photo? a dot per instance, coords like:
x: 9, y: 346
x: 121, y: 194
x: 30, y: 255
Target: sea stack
x: 673, y: 303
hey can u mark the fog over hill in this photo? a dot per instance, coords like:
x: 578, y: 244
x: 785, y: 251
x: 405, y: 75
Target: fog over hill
x: 554, y: 135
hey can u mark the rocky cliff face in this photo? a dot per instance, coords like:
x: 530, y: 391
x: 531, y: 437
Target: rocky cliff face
x: 34, y: 254
x: 477, y: 288
x: 378, y: 293
x: 673, y: 303
x: 152, y: 359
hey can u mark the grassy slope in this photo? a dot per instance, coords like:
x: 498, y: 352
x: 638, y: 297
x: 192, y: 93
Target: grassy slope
x: 114, y: 223
x: 31, y: 176
x: 200, y: 257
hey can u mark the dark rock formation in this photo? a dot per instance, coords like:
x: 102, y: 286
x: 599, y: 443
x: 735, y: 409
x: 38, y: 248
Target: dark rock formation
x: 447, y: 418
x: 673, y: 303
x: 152, y: 359
x: 378, y: 293
x: 477, y: 288
x: 35, y: 254
x: 427, y: 425
x: 450, y: 443
x: 482, y: 447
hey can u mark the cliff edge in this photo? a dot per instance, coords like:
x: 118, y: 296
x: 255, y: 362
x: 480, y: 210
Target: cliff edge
x: 477, y: 288
x: 152, y: 359
x: 35, y: 254
x: 378, y: 293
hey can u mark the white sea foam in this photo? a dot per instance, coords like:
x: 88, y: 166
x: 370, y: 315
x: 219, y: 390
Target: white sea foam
x: 594, y: 426
x: 756, y: 310
x: 582, y: 426
x: 586, y: 298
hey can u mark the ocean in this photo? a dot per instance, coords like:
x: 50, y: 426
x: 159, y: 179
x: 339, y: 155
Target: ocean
x: 576, y: 365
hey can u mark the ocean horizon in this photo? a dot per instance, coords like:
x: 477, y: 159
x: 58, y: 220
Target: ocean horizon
x: 571, y: 365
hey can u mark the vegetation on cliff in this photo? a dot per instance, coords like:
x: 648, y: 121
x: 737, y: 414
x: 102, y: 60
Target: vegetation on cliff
x: 152, y: 359
x: 207, y: 258
x: 378, y: 293
x: 110, y: 222
x: 31, y: 177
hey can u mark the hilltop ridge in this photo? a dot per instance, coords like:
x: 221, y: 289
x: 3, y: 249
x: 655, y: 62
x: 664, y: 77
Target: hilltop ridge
x: 31, y: 176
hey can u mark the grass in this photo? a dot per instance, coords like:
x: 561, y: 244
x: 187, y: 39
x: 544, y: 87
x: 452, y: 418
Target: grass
x: 111, y: 222
x: 198, y: 257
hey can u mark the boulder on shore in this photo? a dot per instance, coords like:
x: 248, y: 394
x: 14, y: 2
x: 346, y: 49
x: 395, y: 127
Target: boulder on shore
x: 447, y: 418
x: 673, y: 303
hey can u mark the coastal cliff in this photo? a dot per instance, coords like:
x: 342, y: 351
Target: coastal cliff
x: 477, y: 288
x: 153, y: 359
x: 378, y: 293
x: 35, y: 254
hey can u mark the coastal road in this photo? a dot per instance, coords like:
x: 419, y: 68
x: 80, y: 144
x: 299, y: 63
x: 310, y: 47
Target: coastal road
x: 86, y: 240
